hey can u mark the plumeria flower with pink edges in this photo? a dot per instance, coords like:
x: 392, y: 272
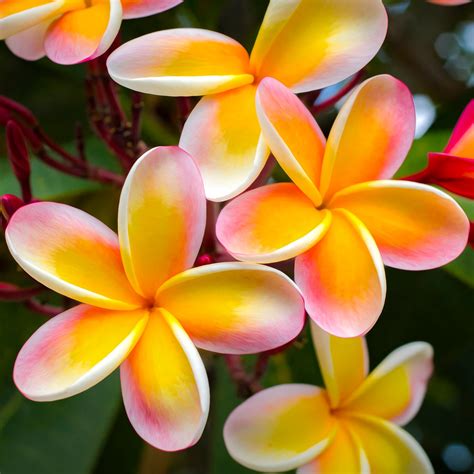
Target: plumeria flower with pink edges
x: 144, y: 307
x: 351, y: 427
x: 342, y: 217
x: 306, y: 44
x: 453, y: 169
x: 69, y: 31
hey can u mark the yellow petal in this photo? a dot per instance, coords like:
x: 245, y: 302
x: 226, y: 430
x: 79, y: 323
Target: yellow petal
x: 396, y: 388
x: 72, y: 253
x: 416, y: 227
x: 311, y: 44
x: 344, y: 363
x: 280, y: 428
x: 292, y: 134
x: 223, y: 135
x: 371, y: 135
x: 181, y: 62
x: 162, y: 215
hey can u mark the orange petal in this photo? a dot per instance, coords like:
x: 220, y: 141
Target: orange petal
x: 181, y: 62
x: 371, y: 135
x: 342, y: 278
x: 311, y: 44
x: 344, y: 363
x: 292, y: 134
x: 223, y: 135
x: 396, y: 388
x: 72, y: 253
x: 162, y: 215
x: 270, y: 224
x: 280, y: 428
x: 84, y: 34
x: 75, y: 350
x: 388, y: 448
x: 416, y: 227
x: 164, y: 385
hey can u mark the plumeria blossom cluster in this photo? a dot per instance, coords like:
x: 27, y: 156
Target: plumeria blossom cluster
x: 152, y: 294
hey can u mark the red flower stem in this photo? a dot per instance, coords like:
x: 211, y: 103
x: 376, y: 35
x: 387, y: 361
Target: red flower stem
x: 422, y: 176
x: 137, y: 109
x: 80, y: 143
x: 44, y: 309
x: 9, y: 292
x: 339, y: 95
x: 245, y: 384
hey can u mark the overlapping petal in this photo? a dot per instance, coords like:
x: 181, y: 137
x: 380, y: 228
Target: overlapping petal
x: 18, y: 16
x: 280, y: 428
x: 270, y: 224
x: 461, y: 142
x: 342, y: 278
x: 181, y: 62
x: 310, y: 44
x: 344, y: 363
x: 75, y: 350
x: 164, y: 385
x: 72, y: 253
x: 396, y: 388
x: 235, y: 308
x: 141, y: 8
x: 292, y: 134
x: 416, y: 227
x: 162, y: 215
x: 29, y: 44
x: 449, y: 3
x: 343, y: 456
x: 371, y: 135
x: 223, y: 135
x: 80, y: 35
x: 389, y: 448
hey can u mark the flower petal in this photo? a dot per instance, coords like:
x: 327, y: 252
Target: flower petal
x: 223, y: 135
x: 280, y: 428
x: 344, y: 363
x: 18, y: 16
x: 235, y: 308
x: 311, y: 44
x: 181, y: 62
x: 415, y: 226
x: 75, y: 350
x: 371, y: 135
x: 162, y: 215
x: 29, y: 44
x: 72, y: 253
x: 342, y: 278
x: 389, y: 448
x: 461, y: 142
x: 292, y: 134
x: 141, y: 8
x: 270, y: 224
x: 81, y: 35
x: 164, y: 385
x: 343, y: 456
x: 396, y: 388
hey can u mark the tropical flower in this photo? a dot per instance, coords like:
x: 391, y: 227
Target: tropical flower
x: 69, y: 31
x: 351, y: 427
x: 306, y: 44
x: 449, y: 3
x: 142, y: 309
x: 343, y: 218
x: 453, y: 169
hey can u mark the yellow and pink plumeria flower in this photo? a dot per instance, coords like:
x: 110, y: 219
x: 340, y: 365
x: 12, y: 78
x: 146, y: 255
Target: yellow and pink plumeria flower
x: 343, y: 218
x: 143, y: 307
x: 69, y: 31
x: 306, y: 44
x: 351, y: 427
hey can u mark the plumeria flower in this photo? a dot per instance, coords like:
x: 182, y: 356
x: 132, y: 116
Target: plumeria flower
x: 449, y: 3
x: 143, y: 307
x: 351, y: 427
x: 306, y: 44
x: 343, y: 218
x: 69, y: 31
x: 453, y: 169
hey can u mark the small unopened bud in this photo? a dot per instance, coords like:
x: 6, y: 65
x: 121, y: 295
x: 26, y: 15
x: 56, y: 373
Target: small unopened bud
x: 20, y: 110
x: 9, y: 204
x: 204, y: 259
x: 19, y: 159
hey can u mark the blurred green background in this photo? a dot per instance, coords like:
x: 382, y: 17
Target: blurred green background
x: 431, y: 48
